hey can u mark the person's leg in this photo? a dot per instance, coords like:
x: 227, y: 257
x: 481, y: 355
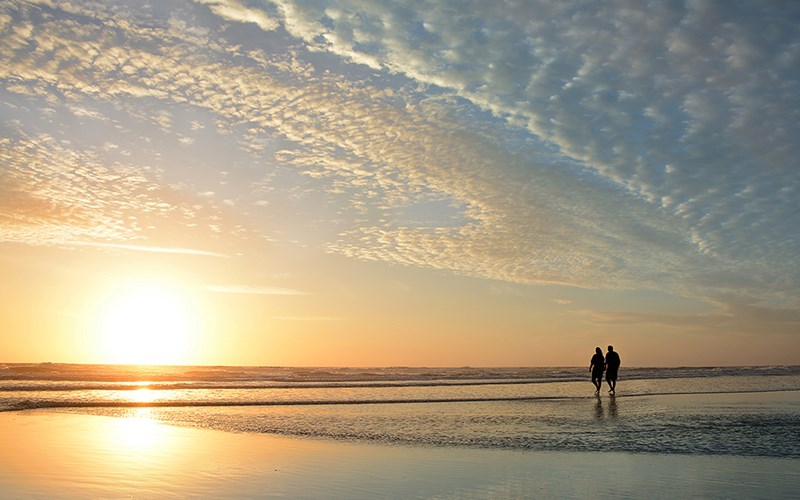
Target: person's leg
x: 612, y: 384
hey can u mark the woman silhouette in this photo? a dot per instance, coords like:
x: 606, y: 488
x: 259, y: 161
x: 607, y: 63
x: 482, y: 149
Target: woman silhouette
x: 596, y: 366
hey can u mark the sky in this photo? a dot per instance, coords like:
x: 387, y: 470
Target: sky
x: 415, y: 183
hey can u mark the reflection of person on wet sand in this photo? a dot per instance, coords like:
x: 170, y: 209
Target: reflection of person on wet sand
x: 612, y: 407
x: 596, y: 366
x: 599, y: 413
x: 603, y: 413
x: 612, y: 367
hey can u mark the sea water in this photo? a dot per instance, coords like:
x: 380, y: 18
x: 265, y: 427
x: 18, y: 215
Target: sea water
x: 741, y: 411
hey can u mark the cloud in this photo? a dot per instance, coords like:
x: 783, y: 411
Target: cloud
x: 587, y: 144
x: 145, y: 248
x: 682, y: 104
x: 52, y: 194
x: 308, y: 318
x: 731, y: 316
x: 234, y: 10
x: 253, y: 290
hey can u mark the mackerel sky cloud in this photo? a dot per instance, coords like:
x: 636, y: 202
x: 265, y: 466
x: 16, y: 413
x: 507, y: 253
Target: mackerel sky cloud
x: 597, y: 145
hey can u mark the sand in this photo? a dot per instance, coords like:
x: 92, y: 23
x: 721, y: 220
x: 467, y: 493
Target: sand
x: 63, y: 455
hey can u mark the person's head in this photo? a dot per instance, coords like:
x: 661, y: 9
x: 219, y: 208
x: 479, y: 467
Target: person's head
x: 598, y: 350
x: 611, y: 348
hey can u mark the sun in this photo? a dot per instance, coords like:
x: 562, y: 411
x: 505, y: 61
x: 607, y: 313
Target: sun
x: 146, y: 323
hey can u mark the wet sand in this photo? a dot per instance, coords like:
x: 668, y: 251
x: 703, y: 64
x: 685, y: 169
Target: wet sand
x: 61, y: 455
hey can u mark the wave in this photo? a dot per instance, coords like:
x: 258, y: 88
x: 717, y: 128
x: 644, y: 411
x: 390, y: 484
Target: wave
x: 60, y: 387
x: 25, y: 387
x: 43, y: 404
x: 289, y: 375
x: 60, y: 372
x: 56, y: 404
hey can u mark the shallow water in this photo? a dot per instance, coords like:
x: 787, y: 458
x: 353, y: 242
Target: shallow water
x: 753, y: 424
x: 696, y: 411
x: 58, y: 385
x: 47, y: 455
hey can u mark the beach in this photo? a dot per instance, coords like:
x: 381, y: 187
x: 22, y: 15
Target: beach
x: 96, y: 431
x: 399, y: 249
x: 49, y: 454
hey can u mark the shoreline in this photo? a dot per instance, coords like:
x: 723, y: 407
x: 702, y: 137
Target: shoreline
x: 66, y: 455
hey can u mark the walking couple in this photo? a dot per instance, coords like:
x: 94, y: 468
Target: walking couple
x: 609, y: 364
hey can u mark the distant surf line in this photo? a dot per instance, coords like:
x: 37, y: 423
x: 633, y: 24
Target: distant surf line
x: 158, y: 386
x: 49, y: 404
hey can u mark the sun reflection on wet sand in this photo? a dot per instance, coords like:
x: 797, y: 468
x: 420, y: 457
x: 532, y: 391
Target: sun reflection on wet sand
x: 103, y: 454
x: 138, y: 432
x: 61, y: 455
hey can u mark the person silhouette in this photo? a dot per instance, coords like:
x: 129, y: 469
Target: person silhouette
x: 596, y: 366
x: 612, y: 367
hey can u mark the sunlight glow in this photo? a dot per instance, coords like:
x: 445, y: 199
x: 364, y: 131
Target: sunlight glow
x: 143, y: 395
x: 146, y: 324
x: 136, y: 434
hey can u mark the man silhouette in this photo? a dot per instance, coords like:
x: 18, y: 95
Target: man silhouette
x: 612, y: 367
x: 596, y: 367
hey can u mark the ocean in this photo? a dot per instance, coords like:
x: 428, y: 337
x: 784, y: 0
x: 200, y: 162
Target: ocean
x: 738, y: 411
